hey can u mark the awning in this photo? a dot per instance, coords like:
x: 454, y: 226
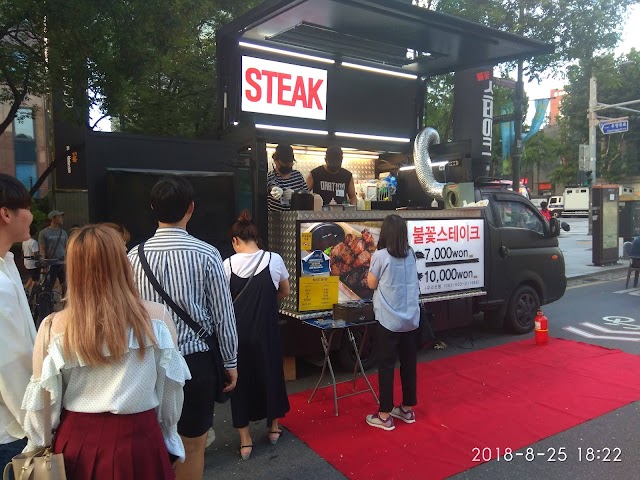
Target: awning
x: 386, y: 33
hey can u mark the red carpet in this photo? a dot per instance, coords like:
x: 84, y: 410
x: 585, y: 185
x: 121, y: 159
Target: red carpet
x: 507, y: 396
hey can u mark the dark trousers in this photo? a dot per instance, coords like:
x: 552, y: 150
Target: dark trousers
x: 10, y: 450
x: 391, y: 346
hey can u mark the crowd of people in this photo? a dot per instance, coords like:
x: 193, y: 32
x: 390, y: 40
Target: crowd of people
x: 131, y: 381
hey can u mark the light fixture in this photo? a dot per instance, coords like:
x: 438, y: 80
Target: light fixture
x: 286, y: 52
x: 235, y: 124
x: 373, y: 137
x: 291, y: 129
x: 379, y: 70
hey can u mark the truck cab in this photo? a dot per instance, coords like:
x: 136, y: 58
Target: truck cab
x: 525, y: 266
x: 556, y: 205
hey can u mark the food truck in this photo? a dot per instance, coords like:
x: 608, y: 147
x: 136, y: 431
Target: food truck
x: 353, y: 73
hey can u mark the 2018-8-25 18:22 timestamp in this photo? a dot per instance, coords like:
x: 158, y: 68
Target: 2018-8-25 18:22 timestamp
x: 551, y: 454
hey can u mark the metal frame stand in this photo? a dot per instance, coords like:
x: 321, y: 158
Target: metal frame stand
x: 326, y: 346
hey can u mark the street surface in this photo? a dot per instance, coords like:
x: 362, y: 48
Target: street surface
x: 596, y: 309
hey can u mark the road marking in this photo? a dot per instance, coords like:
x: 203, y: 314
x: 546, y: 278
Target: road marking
x: 629, y: 290
x: 582, y: 333
x: 608, y: 330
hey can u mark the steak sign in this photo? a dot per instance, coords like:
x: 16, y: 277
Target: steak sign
x: 277, y: 88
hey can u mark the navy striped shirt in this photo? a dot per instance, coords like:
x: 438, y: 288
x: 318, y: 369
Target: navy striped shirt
x: 191, y: 273
x: 295, y: 182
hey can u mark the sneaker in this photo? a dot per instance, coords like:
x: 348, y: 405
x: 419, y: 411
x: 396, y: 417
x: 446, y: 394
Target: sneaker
x: 375, y: 421
x: 407, y: 416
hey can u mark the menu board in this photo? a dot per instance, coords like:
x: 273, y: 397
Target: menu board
x: 317, y: 293
x: 449, y: 253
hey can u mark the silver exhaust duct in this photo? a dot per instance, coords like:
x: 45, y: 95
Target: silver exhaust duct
x: 422, y: 162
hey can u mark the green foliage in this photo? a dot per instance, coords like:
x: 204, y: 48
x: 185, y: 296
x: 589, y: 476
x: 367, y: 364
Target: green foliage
x: 618, y: 81
x: 578, y: 29
x: 150, y: 63
x: 22, y: 70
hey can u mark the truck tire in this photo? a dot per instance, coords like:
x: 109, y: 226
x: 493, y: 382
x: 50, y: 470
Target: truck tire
x: 346, y: 357
x: 522, y: 309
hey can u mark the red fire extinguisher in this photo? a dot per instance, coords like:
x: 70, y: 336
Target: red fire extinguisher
x: 542, y: 329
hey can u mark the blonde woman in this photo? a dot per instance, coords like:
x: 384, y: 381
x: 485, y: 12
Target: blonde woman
x: 112, y: 368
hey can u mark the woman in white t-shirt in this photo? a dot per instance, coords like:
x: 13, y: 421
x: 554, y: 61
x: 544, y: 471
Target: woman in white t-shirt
x: 29, y: 250
x: 260, y: 392
x: 112, y: 368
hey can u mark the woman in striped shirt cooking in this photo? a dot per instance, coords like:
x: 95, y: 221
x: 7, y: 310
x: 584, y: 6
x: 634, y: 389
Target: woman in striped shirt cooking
x: 283, y: 177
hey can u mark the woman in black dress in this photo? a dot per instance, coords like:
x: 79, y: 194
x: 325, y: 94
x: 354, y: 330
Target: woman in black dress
x: 258, y: 279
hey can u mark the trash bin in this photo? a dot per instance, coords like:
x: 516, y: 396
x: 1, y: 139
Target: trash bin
x: 629, y: 216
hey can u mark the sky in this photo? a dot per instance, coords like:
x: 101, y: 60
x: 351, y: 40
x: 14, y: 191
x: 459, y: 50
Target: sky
x: 630, y: 39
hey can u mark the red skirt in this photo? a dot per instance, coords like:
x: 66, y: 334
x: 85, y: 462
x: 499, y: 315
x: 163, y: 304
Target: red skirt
x: 104, y: 446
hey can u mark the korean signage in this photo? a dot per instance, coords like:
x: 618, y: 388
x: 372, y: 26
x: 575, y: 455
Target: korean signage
x: 277, y: 88
x: 450, y: 254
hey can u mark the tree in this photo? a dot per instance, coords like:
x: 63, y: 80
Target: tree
x: 150, y: 63
x: 576, y: 28
x: 541, y: 151
x: 618, y: 81
x: 22, y: 56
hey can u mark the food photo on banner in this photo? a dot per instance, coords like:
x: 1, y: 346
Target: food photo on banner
x: 348, y: 247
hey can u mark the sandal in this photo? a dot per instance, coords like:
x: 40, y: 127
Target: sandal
x: 273, y: 440
x: 245, y: 456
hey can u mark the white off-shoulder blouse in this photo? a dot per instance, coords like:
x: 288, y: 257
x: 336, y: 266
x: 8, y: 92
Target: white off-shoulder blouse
x: 132, y: 385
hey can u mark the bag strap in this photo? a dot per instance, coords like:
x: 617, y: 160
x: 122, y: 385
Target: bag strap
x: 201, y: 332
x: 46, y: 395
x: 250, y: 278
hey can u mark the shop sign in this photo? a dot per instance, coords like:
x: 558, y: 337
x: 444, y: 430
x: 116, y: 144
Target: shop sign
x: 449, y: 253
x: 277, y: 88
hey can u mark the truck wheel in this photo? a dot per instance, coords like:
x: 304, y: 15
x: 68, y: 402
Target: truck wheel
x: 522, y: 309
x: 346, y: 357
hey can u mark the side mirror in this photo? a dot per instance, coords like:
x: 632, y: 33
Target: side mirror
x: 554, y: 228
x: 565, y: 226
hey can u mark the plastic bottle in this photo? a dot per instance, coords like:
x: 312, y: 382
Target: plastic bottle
x: 317, y: 202
x: 360, y: 204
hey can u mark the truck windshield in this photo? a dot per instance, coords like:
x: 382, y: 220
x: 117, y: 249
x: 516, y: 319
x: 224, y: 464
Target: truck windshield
x: 519, y: 215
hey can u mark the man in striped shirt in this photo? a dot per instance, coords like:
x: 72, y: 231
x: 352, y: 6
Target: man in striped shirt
x: 191, y: 273
x: 285, y: 177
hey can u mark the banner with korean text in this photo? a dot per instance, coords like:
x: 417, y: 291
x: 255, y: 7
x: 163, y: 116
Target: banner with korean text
x: 450, y: 254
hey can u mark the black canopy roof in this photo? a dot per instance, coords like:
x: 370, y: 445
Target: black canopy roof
x: 387, y: 33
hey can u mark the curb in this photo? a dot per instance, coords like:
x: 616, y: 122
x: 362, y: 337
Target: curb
x: 619, y: 269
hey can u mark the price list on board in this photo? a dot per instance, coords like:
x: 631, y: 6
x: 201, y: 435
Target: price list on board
x: 317, y: 293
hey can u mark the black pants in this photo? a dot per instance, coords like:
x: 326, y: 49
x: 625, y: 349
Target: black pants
x: 391, y: 346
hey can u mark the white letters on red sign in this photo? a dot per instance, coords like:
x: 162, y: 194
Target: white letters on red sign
x: 277, y: 88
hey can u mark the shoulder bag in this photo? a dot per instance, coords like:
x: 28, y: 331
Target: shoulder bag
x: 210, y: 339
x: 40, y: 464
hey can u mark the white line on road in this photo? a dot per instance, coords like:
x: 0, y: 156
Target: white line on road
x: 627, y: 290
x: 608, y: 330
x: 599, y: 337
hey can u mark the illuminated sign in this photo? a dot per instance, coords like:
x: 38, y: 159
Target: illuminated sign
x: 277, y: 88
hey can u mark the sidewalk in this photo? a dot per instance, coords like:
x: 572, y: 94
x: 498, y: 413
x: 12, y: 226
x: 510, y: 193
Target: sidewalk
x: 576, y: 245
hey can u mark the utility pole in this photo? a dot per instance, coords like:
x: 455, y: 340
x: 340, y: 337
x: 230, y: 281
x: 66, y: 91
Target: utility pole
x: 593, y: 125
x: 517, y: 127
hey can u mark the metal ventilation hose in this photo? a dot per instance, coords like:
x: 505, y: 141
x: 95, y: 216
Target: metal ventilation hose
x: 422, y: 162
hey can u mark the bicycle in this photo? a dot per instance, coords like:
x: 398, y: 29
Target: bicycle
x: 41, y: 298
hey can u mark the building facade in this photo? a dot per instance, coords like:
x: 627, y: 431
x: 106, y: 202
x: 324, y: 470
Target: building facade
x: 24, y: 145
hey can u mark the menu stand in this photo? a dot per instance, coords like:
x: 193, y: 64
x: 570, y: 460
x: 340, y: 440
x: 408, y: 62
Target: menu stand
x: 332, y: 326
